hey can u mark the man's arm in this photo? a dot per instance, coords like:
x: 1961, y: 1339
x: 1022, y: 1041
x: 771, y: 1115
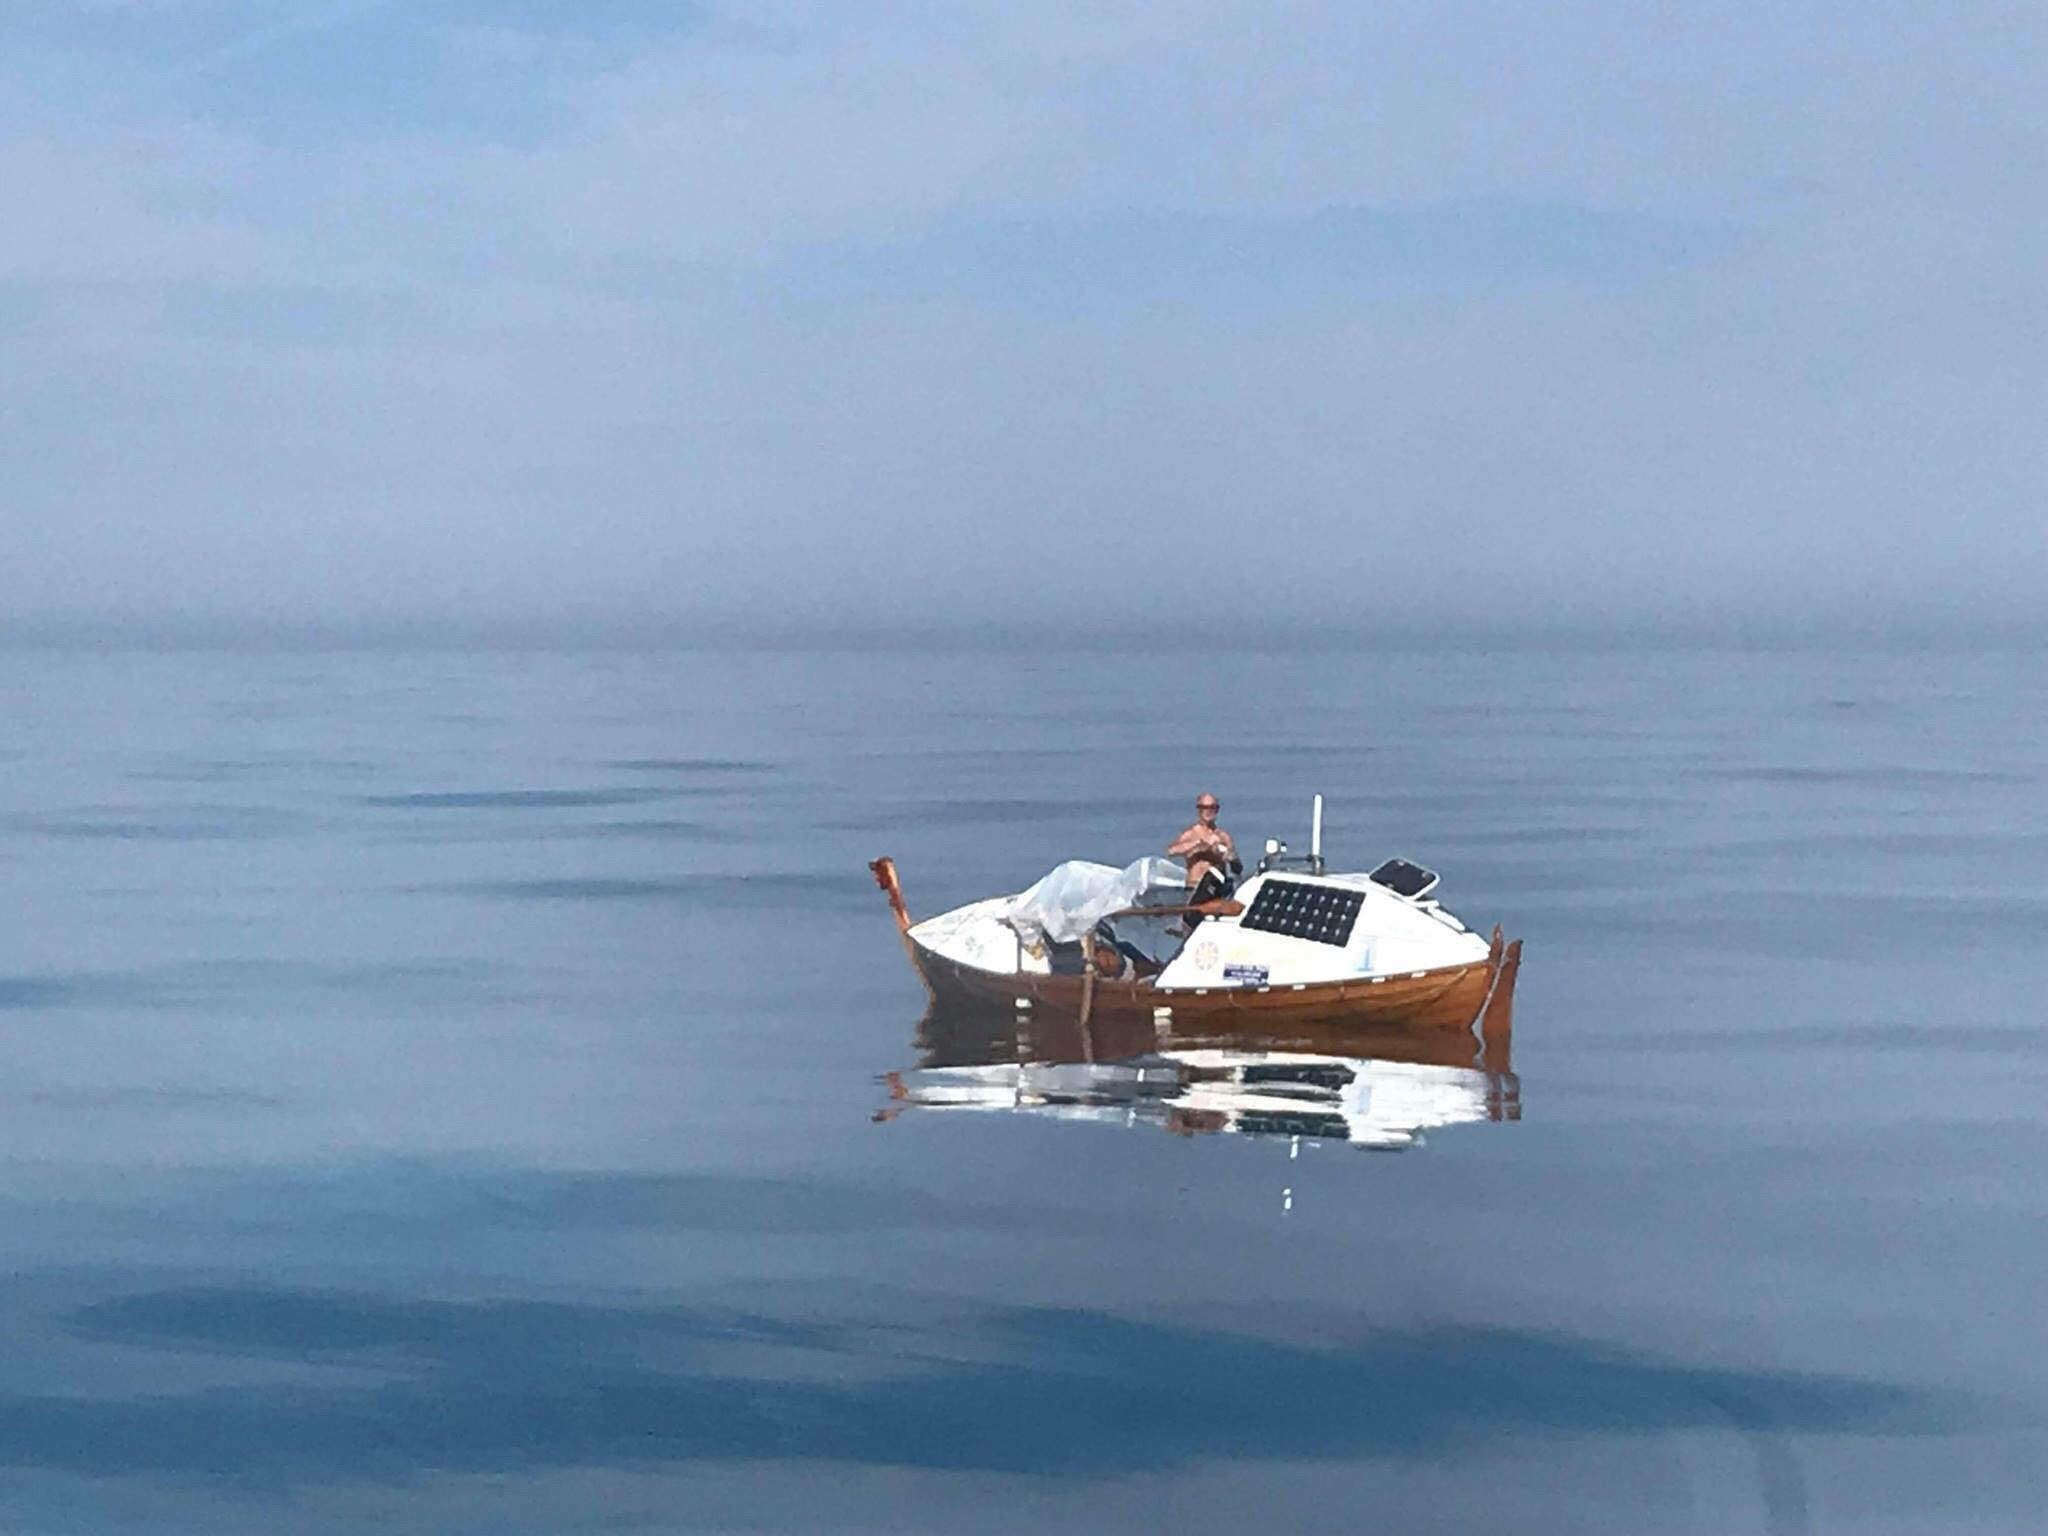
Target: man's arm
x: 1193, y: 840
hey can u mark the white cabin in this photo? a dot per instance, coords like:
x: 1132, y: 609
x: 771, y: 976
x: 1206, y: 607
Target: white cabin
x: 1297, y: 927
x: 1300, y: 928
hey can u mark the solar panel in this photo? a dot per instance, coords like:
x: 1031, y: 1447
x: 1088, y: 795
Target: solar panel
x: 1405, y: 879
x: 1322, y: 913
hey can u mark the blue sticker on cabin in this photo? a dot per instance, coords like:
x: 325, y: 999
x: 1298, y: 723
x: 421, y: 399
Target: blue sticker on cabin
x: 1246, y: 975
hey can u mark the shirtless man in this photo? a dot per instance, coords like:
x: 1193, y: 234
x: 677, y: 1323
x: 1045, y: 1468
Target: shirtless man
x: 1206, y: 846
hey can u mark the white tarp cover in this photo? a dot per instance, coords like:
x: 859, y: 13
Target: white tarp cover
x: 1077, y: 895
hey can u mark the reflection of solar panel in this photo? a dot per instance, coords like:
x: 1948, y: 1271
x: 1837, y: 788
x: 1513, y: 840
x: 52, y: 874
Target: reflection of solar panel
x: 1323, y: 913
x: 1327, y: 1076
x: 1322, y: 1127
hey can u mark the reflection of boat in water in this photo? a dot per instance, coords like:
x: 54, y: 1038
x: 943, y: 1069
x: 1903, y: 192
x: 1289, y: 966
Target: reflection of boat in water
x: 1293, y: 946
x: 1378, y: 1089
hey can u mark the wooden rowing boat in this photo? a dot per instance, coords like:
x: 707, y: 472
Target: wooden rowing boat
x: 1476, y: 992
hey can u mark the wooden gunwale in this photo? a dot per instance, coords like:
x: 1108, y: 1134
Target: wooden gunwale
x: 1452, y: 996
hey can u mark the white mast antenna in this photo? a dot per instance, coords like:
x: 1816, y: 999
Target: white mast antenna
x: 1315, y: 836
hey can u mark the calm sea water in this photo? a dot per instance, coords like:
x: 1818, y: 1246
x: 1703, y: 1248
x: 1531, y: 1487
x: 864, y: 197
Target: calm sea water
x: 437, y: 1093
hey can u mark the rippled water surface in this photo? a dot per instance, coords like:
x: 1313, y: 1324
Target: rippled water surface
x: 440, y: 1092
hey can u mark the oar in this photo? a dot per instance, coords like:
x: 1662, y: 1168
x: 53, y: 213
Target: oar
x: 1220, y: 907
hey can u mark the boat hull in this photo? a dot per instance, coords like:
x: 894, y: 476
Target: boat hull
x: 1454, y: 997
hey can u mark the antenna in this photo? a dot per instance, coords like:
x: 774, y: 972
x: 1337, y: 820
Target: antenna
x: 1315, y: 836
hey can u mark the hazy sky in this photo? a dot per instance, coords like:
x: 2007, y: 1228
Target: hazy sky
x: 560, y: 311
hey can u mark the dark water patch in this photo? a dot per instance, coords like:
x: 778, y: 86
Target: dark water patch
x: 1261, y: 755
x: 257, y: 984
x: 231, y: 770
x: 1539, y: 837
x: 444, y: 833
x: 28, y: 993
x: 513, y: 799
x: 1866, y: 776
x: 191, y: 773
x: 707, y: 1202
x: 385, y: 979
x: 592, y: 888
x: 144, y: 1098
x: 937, y: 812
x: 1934, y: 844
x: 752, y: 892
x: 442, y: 1202
x: 1009, y: 757
x: 1934, y: 1040
x: 80, y: 989
x: 662, y: 831
x: 257, y: 711
x: 689, y: 765
x: 179, y: 824
x: 505, y: 1385
x: 1808, y: 924
x: 1506, y: 709
x: 1569, y: 795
